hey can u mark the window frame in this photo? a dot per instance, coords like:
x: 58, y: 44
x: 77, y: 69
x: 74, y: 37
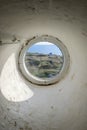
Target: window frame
x: 37, y: 80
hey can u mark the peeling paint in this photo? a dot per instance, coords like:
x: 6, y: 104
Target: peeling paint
x: 73, y: 76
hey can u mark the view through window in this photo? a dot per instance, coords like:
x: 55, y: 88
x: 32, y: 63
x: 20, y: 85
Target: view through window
x: 44, y: 60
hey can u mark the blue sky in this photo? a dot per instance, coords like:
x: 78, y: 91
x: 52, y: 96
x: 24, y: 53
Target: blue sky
x: 45, y: 48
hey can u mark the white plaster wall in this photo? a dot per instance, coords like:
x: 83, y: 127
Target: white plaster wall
x: 62, y: 106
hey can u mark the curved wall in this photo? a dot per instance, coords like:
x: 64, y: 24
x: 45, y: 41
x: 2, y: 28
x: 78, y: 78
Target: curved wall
x: 24, y: 106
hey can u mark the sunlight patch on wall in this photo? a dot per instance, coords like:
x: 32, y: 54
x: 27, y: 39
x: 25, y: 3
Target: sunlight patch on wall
x: 12, y: 87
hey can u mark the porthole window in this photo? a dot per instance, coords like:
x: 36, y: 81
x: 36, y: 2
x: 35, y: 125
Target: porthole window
x: 44, y: 60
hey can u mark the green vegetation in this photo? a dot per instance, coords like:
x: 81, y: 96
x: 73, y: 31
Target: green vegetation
x: 43, y: 66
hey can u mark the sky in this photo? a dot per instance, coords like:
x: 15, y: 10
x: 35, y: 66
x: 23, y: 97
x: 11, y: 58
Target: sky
x: 45, y: 48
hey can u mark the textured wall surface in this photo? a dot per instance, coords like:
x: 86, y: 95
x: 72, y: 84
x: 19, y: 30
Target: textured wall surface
x: 24, y: 106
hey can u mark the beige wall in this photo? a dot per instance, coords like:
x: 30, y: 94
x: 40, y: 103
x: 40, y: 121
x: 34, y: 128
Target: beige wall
x: 62, y: 106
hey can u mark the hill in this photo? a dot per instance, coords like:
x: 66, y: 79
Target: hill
x: 42, y: 65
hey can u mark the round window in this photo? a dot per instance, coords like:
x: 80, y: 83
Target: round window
x: 44, y: 60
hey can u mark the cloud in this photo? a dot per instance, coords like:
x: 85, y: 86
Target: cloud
x: 44, y: 43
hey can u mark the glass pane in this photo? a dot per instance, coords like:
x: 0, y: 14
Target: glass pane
x: 44, y: 60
